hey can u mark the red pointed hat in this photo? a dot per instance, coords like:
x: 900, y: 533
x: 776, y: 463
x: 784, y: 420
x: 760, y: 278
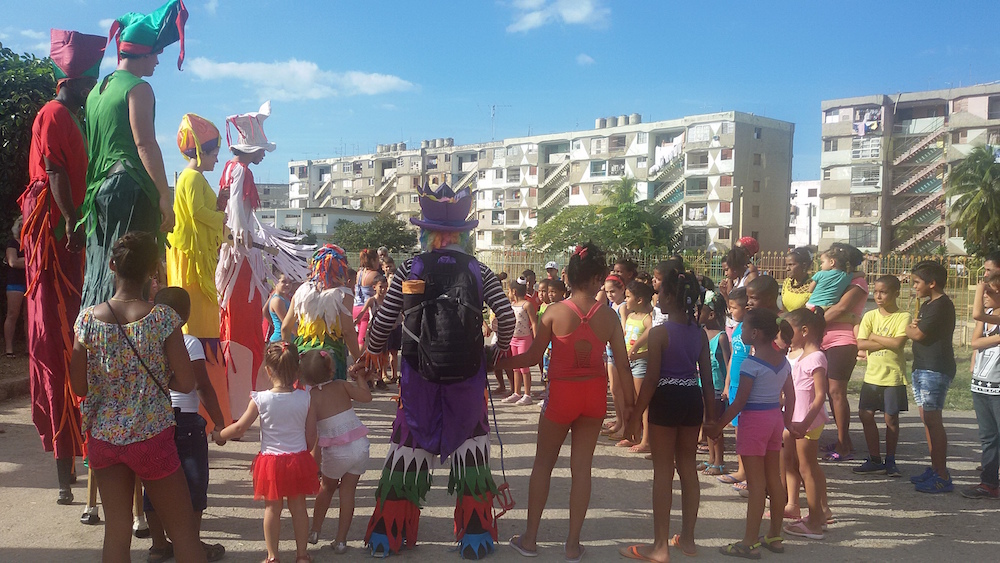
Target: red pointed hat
x: 75, y: 54
x: 445, y: 210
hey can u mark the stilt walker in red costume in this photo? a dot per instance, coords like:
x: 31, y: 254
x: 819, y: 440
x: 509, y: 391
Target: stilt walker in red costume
x: 241, y: 276
x: 53, y: 241
x: 443, y: 410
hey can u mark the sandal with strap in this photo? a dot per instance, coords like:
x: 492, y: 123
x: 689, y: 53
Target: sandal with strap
x: 159, y: 554
x: 714, y: 470
x: 702, y: 466
x: 739, y: 549
x: 774, y: 545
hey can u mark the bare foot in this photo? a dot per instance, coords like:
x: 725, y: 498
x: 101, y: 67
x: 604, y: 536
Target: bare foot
x: 687, y: 547
x: 644, y: 552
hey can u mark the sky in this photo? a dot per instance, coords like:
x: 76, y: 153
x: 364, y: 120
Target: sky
x: 344, y: 76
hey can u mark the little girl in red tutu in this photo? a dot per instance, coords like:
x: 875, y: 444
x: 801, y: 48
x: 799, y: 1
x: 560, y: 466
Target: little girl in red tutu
x: 284, y: 468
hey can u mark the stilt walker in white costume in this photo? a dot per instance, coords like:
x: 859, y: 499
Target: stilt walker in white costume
x: 242, y: 277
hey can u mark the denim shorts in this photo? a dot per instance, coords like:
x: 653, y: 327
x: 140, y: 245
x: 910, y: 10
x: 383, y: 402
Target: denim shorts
x: 930, y: 389
x: 638, y: 368
x: 192, y: 449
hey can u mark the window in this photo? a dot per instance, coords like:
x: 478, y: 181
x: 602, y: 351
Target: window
x: 575, y: 190
x: 532, y: 171
x: 616, y: 168
x: 498, y: 174
x: 863, y: 236
x: 866, y: 175
x: 532, y: 192
x: 728, y: 128
x: 696, y: 212
x: 828, y: 229
x: 416, y: 183
x: 499, y: 153
x: 829, y: 145
x: 432, y: 162
x: 512, y: 151
x: 866, y: 147
x: 960, y: 137
x: 697, y: 160
x: 758, y: 159
x: 756, y: 186
x: 578, y: 145
x: 725, y: 233
x: 599, y: 168
x: 791, y: 229
x: 399, y: 162
x: 993, y: 137
x: 617, y: 143
x: 598, y: 146
x: 756, y: 132
x: 726, y: 181
x: 595, y: 189
x: 826, y: 175
x: 532, y: 214
x: 993, y: 111
x: 755, y: 234
x: 813, y: 192
x: 699, y: 134
x: 831, y: 116
x: 482, y: 174
x: 726, y: 154
x: 755, y: 211
x: 371, y: 182
x: 725, y: 207
x: 696, y: 186
x: 640, y: 162
x: 513, y: 174
x: 345, y: 167
x: 414, y: 198
x: 864, y: 206
x: 371, y: 164
x: 695, y: 238
x: 480, y: 235
x: 641, y: 138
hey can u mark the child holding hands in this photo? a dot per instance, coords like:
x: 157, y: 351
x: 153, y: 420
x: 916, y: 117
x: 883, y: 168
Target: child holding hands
x: 284, y: 469
x: 342, y: 438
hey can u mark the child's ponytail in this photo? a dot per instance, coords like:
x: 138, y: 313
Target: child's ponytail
x: 282, y: 358
x: 813, y: 320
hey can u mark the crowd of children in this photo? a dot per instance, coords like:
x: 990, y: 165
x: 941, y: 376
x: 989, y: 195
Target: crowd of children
x: 683, y: 363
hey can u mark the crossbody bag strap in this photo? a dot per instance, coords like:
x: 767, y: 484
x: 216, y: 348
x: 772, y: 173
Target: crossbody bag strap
x: 159, y: 385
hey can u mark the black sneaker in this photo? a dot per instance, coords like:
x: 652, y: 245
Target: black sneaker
x: 869, y: 467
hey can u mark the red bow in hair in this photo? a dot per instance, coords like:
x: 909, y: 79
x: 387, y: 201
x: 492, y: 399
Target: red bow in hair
x: 580, y: 251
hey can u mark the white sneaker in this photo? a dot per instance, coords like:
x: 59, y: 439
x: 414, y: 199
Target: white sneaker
x: 512, y: 398
x: 525, y: 400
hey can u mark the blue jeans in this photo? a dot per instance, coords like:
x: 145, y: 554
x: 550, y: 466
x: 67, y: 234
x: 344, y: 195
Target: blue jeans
x: 930, y: 389
x: 192, y: 449
x: 988, y: 416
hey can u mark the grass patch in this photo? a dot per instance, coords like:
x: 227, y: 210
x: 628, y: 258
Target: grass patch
x: 959, y: 394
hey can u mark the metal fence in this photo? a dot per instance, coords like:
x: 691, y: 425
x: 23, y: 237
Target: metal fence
x: 963, y: 273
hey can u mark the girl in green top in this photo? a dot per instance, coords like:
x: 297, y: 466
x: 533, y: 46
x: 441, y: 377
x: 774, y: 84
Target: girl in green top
x: 639, y: 301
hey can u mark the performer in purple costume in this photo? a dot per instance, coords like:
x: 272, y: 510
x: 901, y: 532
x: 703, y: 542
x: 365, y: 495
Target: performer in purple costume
x: 444, y: 418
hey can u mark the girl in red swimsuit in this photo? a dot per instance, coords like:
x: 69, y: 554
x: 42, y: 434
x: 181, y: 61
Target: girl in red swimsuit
x: 579, y: 328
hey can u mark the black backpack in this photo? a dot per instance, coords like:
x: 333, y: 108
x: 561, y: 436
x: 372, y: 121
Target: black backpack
x: 442, y: 326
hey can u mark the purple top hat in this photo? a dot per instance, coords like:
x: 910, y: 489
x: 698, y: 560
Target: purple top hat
x: 445, y: 210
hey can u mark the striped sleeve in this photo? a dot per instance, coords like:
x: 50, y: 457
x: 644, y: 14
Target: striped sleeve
x: 497, y: 300
x: 388, y: 314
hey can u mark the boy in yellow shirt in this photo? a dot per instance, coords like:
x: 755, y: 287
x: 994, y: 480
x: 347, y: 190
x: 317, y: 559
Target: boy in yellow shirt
x: 882, y: 335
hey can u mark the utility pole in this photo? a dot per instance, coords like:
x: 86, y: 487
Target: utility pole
x: 493, y: 120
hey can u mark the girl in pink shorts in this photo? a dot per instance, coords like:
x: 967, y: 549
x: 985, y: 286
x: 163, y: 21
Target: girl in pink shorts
x: 578, y: 328
x: 127, y: 354
x: 524, y: 332
x: 764, y: 377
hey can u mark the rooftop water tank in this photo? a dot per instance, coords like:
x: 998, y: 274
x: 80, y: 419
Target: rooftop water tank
x: 634, y: 119
x: 612, y: 121
x: 449, y: 142
x: 424, y: 144
x: 622, y: 120
x: 395, y: 147
x: 402, y: 146
x: 600, y: 122
x: 439, y: 143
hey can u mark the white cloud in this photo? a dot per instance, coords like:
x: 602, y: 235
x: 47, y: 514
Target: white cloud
x: 532, y: 14
x: 298, y: 80
x: 106, y: 23
x: 583, y: 59
x: 32, y: 34
x: 211, y: 6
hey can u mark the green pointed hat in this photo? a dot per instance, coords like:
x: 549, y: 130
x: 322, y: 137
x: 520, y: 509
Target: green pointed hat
x: 141, y: 34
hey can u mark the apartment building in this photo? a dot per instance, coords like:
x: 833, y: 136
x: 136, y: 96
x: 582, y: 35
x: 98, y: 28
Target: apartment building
x: 724, y: 175
x: 886, y: 160
x: 803, y: 216
x: 273, y: 195
x: 318, y: 221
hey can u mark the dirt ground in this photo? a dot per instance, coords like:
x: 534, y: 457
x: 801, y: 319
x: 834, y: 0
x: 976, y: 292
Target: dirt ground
x: 879, y: 518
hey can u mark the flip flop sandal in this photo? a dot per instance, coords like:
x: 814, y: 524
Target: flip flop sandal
x: 739, y: 549
x: 578, y: 558
x: 515, y: 542
x: 637, y: 449
x: 774, y: 545
x: 785, y: 514
x: 676, y: 542
x: 740, y: 486
x: 616, y: 437
x: 624, y: 444
x: 702, y: 448
x: 836, y: 457
x: 158, y: 554
x: 632, y: 552
x: 727, y: 479
x: 800, y: 529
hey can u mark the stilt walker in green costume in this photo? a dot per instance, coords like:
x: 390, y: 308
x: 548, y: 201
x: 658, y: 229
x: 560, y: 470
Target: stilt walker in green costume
x: 442, y: 411
x: 126, y: 183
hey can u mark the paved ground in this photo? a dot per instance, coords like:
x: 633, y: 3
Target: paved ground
x: 880, y: 519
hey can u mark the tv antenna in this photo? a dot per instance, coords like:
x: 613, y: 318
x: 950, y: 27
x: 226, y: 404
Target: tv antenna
x: 493, y: 119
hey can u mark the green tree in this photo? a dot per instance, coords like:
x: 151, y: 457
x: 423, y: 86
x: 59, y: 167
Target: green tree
x: 620, y: 224
x: 26, y: 84
x: 380, y: 231
x: 974, y: 190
